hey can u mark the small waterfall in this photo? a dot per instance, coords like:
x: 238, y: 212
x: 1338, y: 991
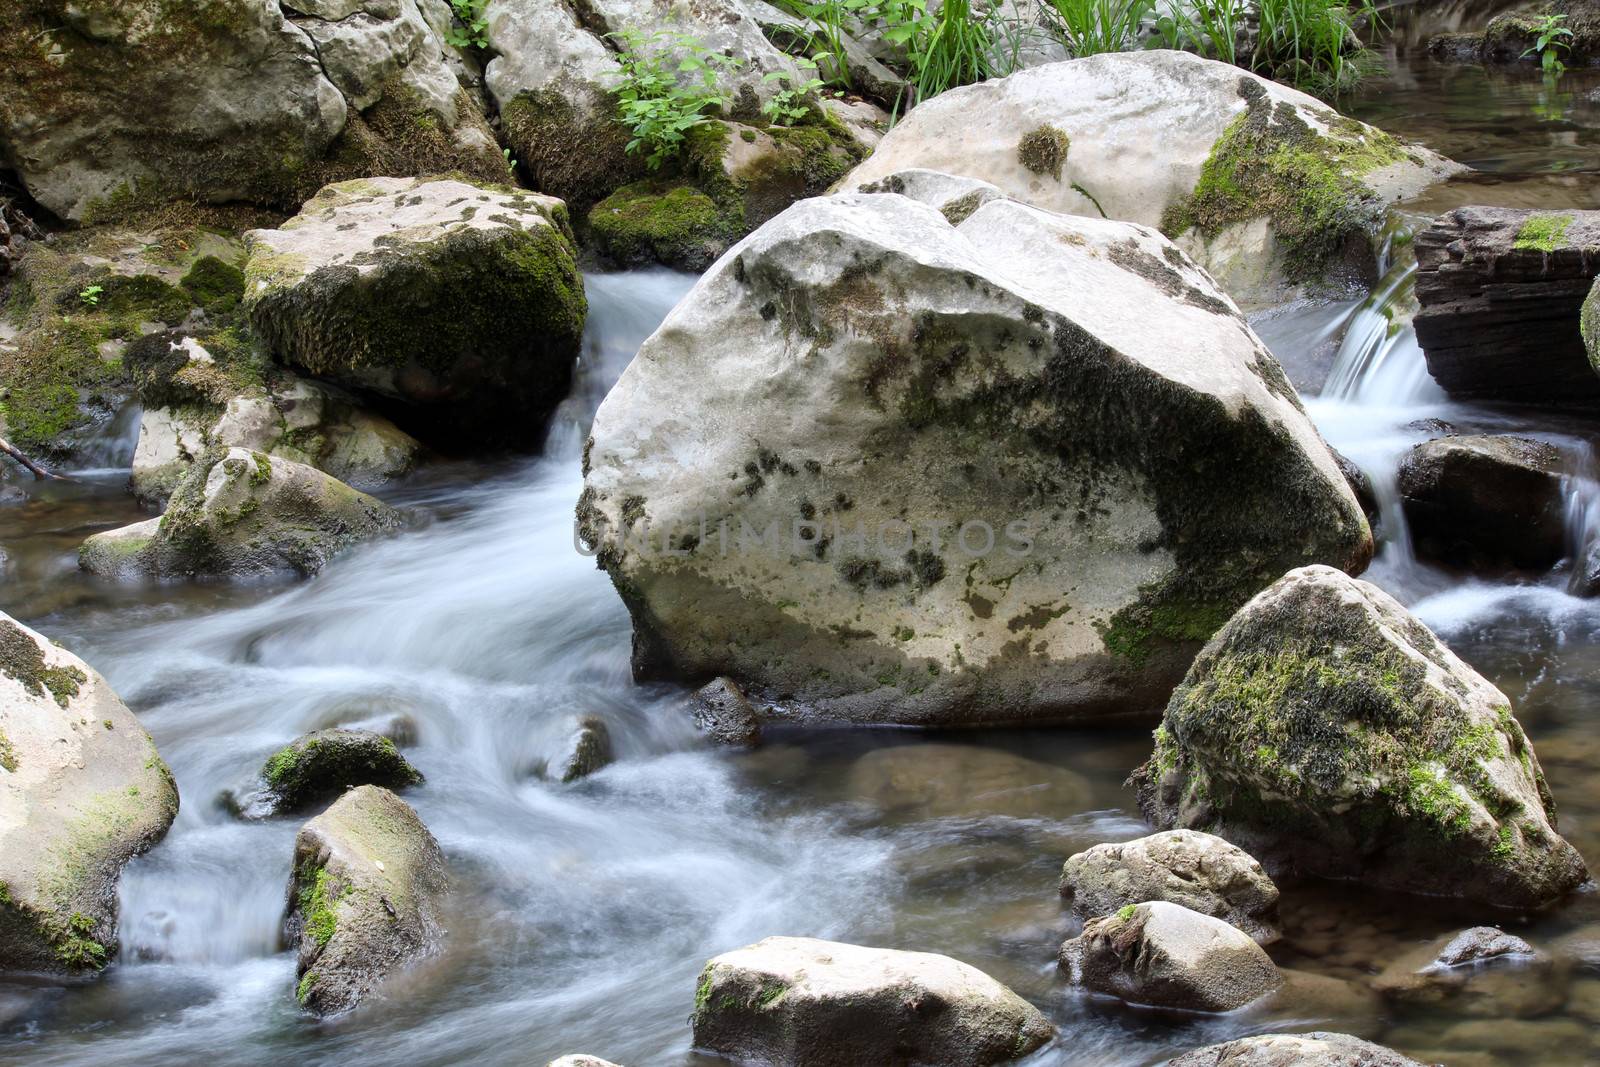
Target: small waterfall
x: 1379, y: 361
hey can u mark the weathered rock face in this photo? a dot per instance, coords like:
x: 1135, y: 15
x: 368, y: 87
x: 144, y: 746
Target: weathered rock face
x: 82, y: 791
x: 724, y: 713
x: 243, y: 514
x: 326, y: 762
x: 1267, y: 188
x: 1486, y: 501
x: 1501, y: 293
x: 461, y: 305
x: 200, y: 402
x: 1165, y: 955
x: 1201, y: 872
x: 1330, y: 733
x: 364, y: 900
x: 800, y: 1002
x: 334, y: 89
x: 1047, y: 440
x: 1315, y: 1049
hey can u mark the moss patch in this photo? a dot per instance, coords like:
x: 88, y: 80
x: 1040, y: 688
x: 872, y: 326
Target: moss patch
x: 214, y: 285
x: 23, y: 661
x: 8, y: 754
x: 1044, y: 150
x: 317, y: 899
x: 667, y: 222
x: 329, y: 761
x: 1270, y: 162
x: 1542, y: 233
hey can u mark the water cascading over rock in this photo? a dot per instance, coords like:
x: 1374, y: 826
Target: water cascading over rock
x: 892, y: 464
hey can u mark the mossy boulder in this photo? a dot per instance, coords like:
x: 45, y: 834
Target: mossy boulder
x: 1166, y: 956
x: 322, y: 98
x: 460, y: 306
x: 669, y: 222
x: 800, y: 1002
x: 1270, y: 190
x: 365, y: 899
x: 1486, y: 501
x: 1331, y: 734
x: 1199, y: 871
x: 326, y: 762
x: 82, y: 791
x: 584, y: 748
x: 240, y: 514
x: 877, y: 467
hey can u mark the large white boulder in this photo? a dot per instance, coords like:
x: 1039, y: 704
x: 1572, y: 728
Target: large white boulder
x: 801, y: 1002
x: 461, y: 305
x: 879, y: 467
x: 372, y: 78
x: 82, y: 791
x: 1330, y: 733
x: 1269, y: 189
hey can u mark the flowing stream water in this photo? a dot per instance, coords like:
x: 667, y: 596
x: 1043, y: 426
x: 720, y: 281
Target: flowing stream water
x: 582, y: 914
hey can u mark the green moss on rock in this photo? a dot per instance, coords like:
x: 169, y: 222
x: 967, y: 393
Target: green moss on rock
x: 657, y: 221
x: 1542, y: 233
x: 1044, y: 150
x: 214, y: 285
x: 22, y: 661
x: 329, y: 761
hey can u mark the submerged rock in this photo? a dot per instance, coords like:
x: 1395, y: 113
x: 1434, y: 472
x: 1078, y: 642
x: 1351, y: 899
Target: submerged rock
x: 1316, y: 1049
x: 584, y: 749
x: 242, y: 514
x: 800, y: 1002
x: 117, y: 107
x: 1481, y: 971
x: 724, y: 714
x: 1330, y: 733
x: 937, y: 780
x: 877, y: 467
x: 1201, y: 872
x: 82, y: 791
x: 460, y: 305
x: 1270, y: 190
x: 1486, y: 501
x: 324, y: 763
x: 1167, y: 956
x: 364, y: 899
x: 1501, y: 293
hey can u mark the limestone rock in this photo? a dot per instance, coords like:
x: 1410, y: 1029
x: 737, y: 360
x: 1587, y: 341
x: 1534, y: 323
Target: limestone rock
x: 1165, y: 955
x: 243, y: 514
x: 327, y: 762
x: 365, y: 898
x: 1486, y: 501
x: 1270, y: 190
x: 1201, y: 872
x: 1047, y: 441
x: 326, y: 92
x: 82, y: 791
x: 1316, y: 1049
x: 459, y: 304
x: 1330, y: 733
x: 1501, y: 293
x: 800, y: 1002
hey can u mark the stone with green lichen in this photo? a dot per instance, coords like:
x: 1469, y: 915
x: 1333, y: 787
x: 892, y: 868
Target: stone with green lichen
x: 83, y: 790
x: 326, y: 762
x: 661, y: 222
x: 365, y: 899
x: 1331, y: 734
x: 801, y: 1002
x: 865, y: 360
x: 242, y: 514
x: 459, y: 305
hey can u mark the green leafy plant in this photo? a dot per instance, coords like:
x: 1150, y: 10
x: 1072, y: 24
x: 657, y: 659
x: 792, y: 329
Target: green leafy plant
x: 825, y: 40
x: 511, y: 164
x: 90, y: 295
x: 1550, y: 43
x: 1092, y: 27
x: 471, y: 29
x: 1311, y: 44
x: 669, y: 82
x: 791, y: 102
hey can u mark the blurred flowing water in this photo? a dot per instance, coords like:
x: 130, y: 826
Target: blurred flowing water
x: 582, y: 914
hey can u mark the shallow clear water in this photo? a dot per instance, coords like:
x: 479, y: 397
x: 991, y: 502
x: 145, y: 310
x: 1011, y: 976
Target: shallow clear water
x: 582, y: 914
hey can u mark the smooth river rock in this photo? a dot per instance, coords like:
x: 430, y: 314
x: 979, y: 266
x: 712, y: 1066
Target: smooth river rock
x: 1486, y: 501
x: 82, y: 791
x: 1164, y: 955
x: 1329, y: 732
x: 1501, y: 293
x: 326, y: 762
x: 1269, y: 189
x: 881, y: 468
x: 459, y: 305
x: 240, y: 514
x: 800, y: 1002
x: 1197, y: 870
x: 365, y: 898
x: 1316, y: 1049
